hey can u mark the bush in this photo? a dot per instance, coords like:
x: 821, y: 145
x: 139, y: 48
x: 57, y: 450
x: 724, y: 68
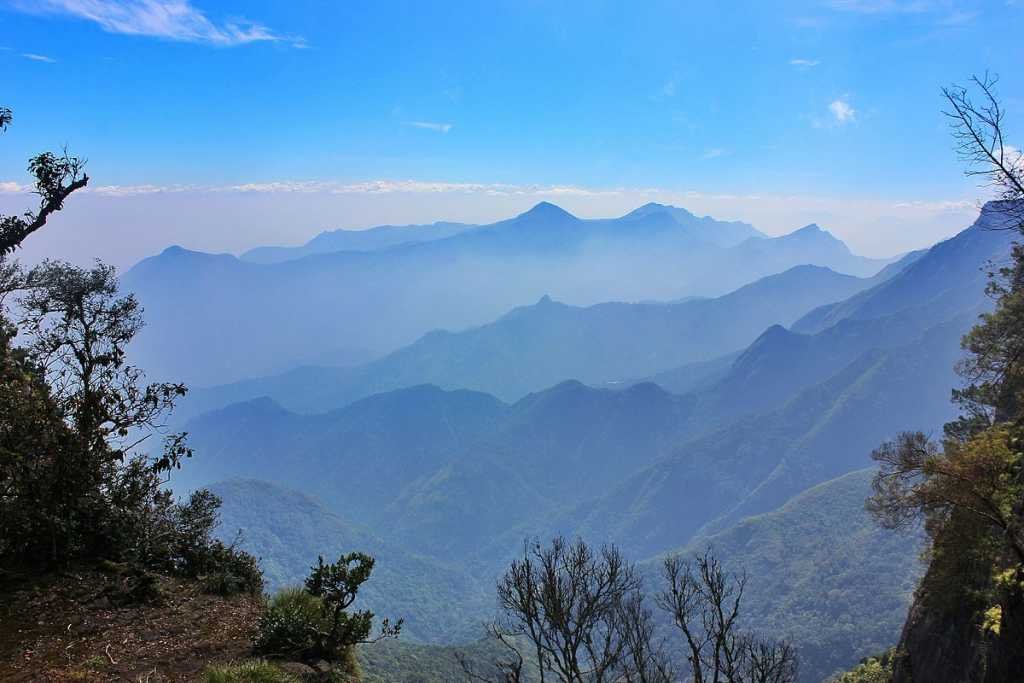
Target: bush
x: 870, y: 670
x: 231, y: 572
x: 290, y: 624
x: 255, y: 671
x: 317, y: 622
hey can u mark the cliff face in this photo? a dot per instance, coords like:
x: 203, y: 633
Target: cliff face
x: 951, y: 648
x: 943, y: 640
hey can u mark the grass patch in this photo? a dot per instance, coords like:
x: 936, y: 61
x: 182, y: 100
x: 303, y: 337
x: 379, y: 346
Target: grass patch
x: 254, y: 671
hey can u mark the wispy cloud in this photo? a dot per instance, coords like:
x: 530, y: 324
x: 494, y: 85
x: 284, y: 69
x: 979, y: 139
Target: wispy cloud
x: 714, y: 153
x: 431, y: 125
x: 881, y: 6
x: 11, y: 187
x: 842, y: 112
x: 804, y: 63
x: 38, y: 58
x: 175, y: 20
x: 368, y: 187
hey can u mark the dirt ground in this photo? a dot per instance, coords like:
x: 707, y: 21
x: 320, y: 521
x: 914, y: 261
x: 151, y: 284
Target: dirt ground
x: 68, y: 628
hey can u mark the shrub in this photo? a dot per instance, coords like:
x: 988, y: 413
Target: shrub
x: 317, y: 622
x: 870, y: 670
x: 290, y: 624
x: 255, y: 671
x: 231, y: 572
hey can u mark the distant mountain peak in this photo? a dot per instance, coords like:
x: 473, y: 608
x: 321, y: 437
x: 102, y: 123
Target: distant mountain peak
x: 816, y: 234
x: 810, y: 229
x: 546, y: 210
x: 654, y: 207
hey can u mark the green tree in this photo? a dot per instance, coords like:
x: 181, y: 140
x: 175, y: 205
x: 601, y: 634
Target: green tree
x: 75, y: 482
x: 318, y: 622
x: 337, y: 585
x: 968, y: 488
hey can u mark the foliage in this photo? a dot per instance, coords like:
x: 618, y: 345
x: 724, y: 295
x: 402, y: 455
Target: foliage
x: 77, y: 486
x: 289, y: 624
x: 440, y: 601
x: 254, y: 671
x: 969, y: 489
x: 315, y: 622
x: 56, y: 178
x: 870, y: 670
x: 74, y: 483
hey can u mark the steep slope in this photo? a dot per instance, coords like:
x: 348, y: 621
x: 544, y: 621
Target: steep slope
x: 534, y: 347
x: 755, y: 464
x: 948, y: 277
x: 909, y: 297
x: 822, y: 574
x: 287, y: 530
x: 321, y: 309
x: 370, y: 239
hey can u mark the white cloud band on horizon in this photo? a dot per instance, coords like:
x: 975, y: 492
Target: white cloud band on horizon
x: 124, y: 223
x: 176, y: 20
x: 383, y: 187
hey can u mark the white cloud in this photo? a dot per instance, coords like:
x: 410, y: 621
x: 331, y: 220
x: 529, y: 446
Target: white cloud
x: 842, y: 111
x: 11, y: 187
x: 713, y: 153
x: 804, y: 63
x: 168, y: 19
x: 369, y: 187
x: 38, y: 58
x: 431, y: 125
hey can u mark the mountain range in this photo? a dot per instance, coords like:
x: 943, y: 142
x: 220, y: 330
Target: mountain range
x: 341, y: 307
x: 534, y: 347
x: 742, y: 422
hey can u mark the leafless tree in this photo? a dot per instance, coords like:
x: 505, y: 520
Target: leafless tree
x: 704, y: 599
x: 565, y: 603
x: 647, y: 660
x: 768, y: 661
x: 978, y: 129
x: 508, y: 669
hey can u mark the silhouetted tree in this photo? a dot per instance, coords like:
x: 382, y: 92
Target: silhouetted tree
x: 647, y: 659
x: 704, y: 600
x: 579, y: 615
x: 566, y: 602
x: 56, y: 178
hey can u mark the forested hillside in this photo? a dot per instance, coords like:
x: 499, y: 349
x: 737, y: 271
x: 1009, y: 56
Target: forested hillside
x: 757, y: 447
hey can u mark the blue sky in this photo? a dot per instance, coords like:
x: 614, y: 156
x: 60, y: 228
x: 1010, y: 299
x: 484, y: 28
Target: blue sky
x: 470, y: 110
